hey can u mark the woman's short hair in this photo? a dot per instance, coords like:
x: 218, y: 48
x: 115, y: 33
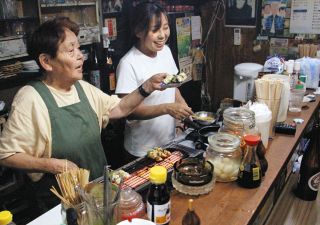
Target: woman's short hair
x: 142, y: 16
x: 47, y: 37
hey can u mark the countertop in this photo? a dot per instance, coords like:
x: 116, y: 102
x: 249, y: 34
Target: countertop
x: 229, y: 204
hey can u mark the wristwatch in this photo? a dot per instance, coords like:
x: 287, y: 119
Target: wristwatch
x: 143, y: 92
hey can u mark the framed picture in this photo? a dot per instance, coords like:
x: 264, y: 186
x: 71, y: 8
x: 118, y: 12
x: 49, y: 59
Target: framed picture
x: 241, y: 13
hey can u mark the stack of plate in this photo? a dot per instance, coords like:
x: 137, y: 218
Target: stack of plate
x: 10, y: 70
x: 30, y: 65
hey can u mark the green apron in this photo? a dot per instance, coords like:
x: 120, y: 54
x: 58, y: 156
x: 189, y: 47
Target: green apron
x: 75, y: 131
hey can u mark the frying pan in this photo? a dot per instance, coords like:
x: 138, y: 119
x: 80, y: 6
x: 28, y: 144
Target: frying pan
x: 204, y: 117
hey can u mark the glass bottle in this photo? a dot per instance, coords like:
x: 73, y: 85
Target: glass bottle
x: 131, y: 205
x: 111, y: 71
x: 158, y: 197
x: 190, y: 218
x: 250, y: 169
x: 6, y: 218
x: 309, y: 177
x: 95, y: 75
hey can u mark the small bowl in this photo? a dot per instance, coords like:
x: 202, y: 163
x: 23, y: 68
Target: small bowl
x: 193, y: 171
x: 204, y: 118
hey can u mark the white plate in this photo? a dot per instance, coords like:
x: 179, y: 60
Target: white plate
x: 176, y: 84
x: 136, y: 221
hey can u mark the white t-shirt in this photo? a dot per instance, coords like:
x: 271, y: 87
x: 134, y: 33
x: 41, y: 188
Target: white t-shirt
x: 135, y: 68
x: 28, y: 129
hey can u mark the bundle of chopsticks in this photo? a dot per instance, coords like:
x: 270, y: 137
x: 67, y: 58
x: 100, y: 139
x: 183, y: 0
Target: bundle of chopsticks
x: 268, y: 89
x: 307, y: 50
x: 68, y: 181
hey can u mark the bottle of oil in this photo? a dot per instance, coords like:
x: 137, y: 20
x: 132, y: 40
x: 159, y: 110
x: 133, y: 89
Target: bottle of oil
x: 250, y: 169
x: 158, y: 197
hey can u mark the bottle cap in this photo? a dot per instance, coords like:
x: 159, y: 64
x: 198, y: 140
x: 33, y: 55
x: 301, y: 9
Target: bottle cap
x: 158, y: 175
x: 251, y: 139
x: 5, y: 217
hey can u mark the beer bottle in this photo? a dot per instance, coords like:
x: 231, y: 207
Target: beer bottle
x: 111, y: 71
x: 309, y: 177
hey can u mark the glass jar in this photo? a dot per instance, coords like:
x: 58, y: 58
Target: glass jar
x: 131, y: 205
x: 238, y: 121
x: 225, y: 154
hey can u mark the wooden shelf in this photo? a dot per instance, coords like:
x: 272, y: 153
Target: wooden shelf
x: 68, y: 4
x: 25, y: 18
x: 21, y: 78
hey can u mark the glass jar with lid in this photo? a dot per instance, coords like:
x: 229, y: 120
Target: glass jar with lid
x: 225, y: 154
x: 131, y: 205
x: 239, y: 121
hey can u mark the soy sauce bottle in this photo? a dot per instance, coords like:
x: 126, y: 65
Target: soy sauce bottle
x: 250, y: 169
x: 158, y: 197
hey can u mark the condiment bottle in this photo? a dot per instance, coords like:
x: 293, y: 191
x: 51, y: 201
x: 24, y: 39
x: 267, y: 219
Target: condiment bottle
x: 158, y: 197
x: 131, y: 204
x: 309, y: 176
x: 190, y: 218
x: 250, y: 169
x: 6, y: 218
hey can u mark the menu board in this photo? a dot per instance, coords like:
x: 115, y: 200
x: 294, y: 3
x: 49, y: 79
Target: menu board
x: 305, y: 16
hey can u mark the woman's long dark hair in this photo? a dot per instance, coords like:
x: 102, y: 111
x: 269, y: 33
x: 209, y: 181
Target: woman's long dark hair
x: 142, y: 16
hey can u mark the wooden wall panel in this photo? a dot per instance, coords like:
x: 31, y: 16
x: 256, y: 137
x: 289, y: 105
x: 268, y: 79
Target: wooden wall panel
x: 222, y: 55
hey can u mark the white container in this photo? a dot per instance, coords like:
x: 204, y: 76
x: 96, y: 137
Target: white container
x: 285, y: 95
x: 263, y: 118
x: 136, y: 221
x: 245, y: 73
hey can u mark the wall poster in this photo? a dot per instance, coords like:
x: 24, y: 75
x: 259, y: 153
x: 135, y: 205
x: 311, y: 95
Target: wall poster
x: 241, y: 13
x: 275, y: 18
x: 305, y: 16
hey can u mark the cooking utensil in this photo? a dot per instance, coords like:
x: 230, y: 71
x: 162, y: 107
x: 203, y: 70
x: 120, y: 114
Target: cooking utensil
x: 207, y: 131
x: 204, y: 117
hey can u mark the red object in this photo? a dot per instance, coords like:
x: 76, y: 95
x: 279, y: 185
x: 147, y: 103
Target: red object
x: 252, y: 139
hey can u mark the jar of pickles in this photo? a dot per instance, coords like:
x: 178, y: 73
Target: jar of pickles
x: 225, y: 154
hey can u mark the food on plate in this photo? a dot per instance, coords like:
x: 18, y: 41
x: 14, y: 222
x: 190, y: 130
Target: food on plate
x: 173, y: 78
x: 158, y: 154
x: 117, y: 175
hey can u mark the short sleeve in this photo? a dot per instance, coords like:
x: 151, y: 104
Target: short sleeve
x: 126, y: 78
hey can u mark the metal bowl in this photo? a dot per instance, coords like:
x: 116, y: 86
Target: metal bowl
x: 204, y: 118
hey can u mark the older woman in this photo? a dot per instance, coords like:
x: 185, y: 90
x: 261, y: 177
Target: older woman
x: 55, y: 122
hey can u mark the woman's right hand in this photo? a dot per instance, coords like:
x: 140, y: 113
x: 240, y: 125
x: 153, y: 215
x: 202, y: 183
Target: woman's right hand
x: 61, y: 165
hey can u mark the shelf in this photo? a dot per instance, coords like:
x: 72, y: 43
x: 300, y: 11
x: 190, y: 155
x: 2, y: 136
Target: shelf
x: 20, y: 78
x: 13, y: 56
x: 11, y: 37
x: 68, y: 4
x: 25, y: 18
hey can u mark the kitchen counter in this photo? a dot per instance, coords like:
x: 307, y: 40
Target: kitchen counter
x: 228, y: 203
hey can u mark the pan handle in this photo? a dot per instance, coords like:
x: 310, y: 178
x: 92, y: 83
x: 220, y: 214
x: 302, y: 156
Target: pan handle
x: 189, y: 123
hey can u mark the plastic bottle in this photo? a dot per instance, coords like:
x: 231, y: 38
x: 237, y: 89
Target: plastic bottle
x: 158, y: 197
x: 6, y: 218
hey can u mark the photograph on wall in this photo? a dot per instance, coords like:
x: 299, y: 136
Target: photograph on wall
x: 275, y: 18
x: 241, y: 13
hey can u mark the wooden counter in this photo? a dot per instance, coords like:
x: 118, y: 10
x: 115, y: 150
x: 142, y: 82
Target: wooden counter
x: 230, y: 204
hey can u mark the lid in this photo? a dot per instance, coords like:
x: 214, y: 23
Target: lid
x: 224, y: 142
x: 129, y: 198
x: 5, y: 217
x: 248, y: 69
x: 158, y: 175
x: 252, y: 139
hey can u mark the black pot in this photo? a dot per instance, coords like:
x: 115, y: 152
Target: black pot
x: 207, y: 131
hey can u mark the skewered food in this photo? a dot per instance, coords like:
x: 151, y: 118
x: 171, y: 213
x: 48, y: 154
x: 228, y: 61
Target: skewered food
x: 117, y: 175
x: 158, y: 154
